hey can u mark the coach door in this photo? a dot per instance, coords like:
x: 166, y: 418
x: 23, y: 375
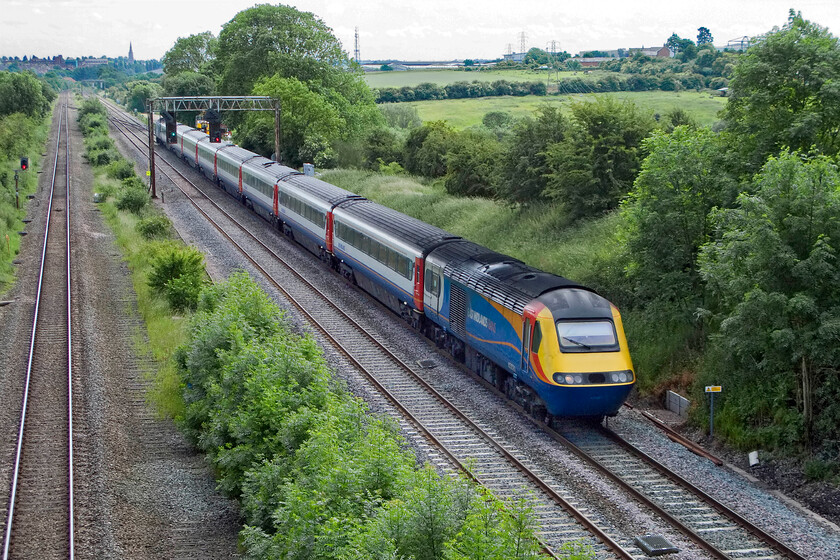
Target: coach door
x: 432, y: 280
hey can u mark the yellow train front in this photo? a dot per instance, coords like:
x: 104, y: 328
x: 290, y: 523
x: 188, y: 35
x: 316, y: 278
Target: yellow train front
x: 551, y: 345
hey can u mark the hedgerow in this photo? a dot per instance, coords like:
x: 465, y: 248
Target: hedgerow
x: 318, y: 475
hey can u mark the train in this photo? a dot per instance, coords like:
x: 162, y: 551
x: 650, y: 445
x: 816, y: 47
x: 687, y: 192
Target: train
x: 554, y: 347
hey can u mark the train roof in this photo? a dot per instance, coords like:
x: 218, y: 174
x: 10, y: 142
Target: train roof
x: 405, y: 228
x: 501, y: 278
x: 318, y: 188
x: 234, y: 152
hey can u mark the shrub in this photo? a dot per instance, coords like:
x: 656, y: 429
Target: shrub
x: 178, y: 274
x: 120, y: 169
x: 153, y: 226
x: 134, y: 196
x: 102, y: 157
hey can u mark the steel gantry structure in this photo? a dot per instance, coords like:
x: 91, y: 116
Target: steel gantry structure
x: 216, y: 103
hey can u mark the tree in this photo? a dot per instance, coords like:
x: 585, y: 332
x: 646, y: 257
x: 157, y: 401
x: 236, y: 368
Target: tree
x: 785, y: 92
x: 23, y: 93
x: 282, y: 43
x: 704, y: 36
x: 573, y: 65
x: 524, y: 167
x: 188, y: 84
x: 195, y: 53
x: 472, y: 164
x: 596, y: 165
x: 667, y: 213
x: 775, y: 271
x: 279, y: 40
x: 139, y: 94
x: 307, y: 117
x: 426, y: 148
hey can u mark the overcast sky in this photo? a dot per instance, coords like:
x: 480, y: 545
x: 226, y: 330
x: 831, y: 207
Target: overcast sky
x: 418, y: 30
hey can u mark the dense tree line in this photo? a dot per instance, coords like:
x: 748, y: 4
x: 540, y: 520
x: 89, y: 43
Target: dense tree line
x: 24, y: 107
x: 459, y: 90
x: 734, y: 236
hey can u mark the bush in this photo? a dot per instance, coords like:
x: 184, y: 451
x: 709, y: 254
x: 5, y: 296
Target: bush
x: 178, y: 274
x: 153, y: 226
x: 102, y: 157
x: 134, y: 196
x: 120, y: 169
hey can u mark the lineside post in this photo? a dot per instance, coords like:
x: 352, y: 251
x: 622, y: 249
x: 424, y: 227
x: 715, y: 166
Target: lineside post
x: 277, y: 132
x: 152, y: 150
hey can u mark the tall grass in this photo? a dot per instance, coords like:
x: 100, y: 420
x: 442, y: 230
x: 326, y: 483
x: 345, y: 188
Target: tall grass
x: 165, y: 331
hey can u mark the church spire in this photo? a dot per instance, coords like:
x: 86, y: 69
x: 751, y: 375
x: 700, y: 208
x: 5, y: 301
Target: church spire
x: 130, y: 53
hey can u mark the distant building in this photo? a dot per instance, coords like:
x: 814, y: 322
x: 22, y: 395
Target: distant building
x: 515, y: 57
x: 591, y: 62
x: 94, y: 61
x: 654, y: 52
x: 130, y: 54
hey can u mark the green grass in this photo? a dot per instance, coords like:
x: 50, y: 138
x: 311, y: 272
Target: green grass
x: 463, y: 113
x: 165, y: 331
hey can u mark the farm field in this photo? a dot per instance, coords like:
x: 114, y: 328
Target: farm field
x: 462, y: 113
x: 444, y: 77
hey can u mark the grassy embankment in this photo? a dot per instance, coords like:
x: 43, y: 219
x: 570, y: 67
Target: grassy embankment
x: 19, y: 135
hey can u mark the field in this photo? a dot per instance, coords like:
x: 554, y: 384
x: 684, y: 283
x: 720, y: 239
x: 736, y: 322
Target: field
x: 462, y: 113
x: 444, y: 77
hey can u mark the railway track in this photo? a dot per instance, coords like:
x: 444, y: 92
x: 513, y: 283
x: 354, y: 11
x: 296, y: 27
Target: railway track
x: 40, y: 517
x: 718, y: 531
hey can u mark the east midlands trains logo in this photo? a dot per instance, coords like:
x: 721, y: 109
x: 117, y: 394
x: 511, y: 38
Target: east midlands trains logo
x: 482, y: 320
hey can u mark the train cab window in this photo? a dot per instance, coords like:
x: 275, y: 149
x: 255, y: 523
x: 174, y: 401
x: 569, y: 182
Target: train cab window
x: 432, y: 282
x: 535, y: 342
x: 586, y: 335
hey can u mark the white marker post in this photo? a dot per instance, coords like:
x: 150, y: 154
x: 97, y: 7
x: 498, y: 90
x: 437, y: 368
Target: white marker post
x: 712, y: 389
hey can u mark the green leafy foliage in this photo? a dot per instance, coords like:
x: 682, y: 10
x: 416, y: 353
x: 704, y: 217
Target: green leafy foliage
x: 667, y: 212
x: 426, y: 148
x: 786, y: 93
x: 23, y: 92
x: 178, y: 273
x: 133, y: 196
x: 472, y: 164
x: 139, y: 93
x: 120, y: 169
x: 291, y: 54
x: 775, y: 274
x: 154, y: 226
x: 195, y: 53
x: 523, y: 175
x: 594, y: 168
x: 318, y: 475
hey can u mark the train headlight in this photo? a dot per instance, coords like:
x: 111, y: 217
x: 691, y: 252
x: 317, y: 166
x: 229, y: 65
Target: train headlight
x: 621, y: 376
x: 578, y: 378
x: 570, y: 379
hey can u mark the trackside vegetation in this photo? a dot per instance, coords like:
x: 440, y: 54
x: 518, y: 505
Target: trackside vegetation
x: 24, y: 126
x: 317, y: 474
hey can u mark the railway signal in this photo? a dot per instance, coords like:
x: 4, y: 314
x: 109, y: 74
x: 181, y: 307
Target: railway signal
x: 214, y: 121
x: 171, y: 126
x: 24, y: 163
